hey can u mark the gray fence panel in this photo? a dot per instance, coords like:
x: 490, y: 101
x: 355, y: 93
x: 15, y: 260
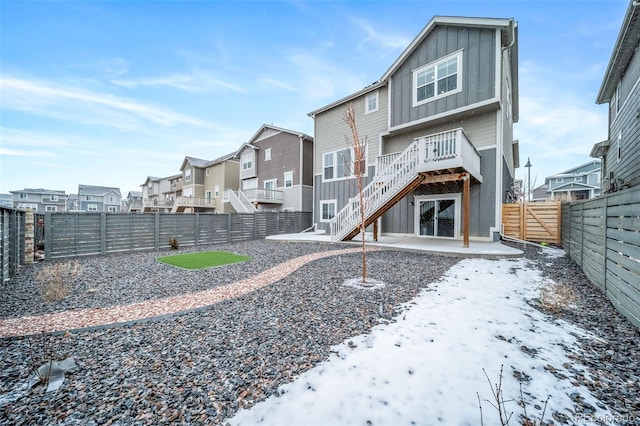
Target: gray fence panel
x: 603, y: 237
x: 12, y: 242
x: 4, y: 244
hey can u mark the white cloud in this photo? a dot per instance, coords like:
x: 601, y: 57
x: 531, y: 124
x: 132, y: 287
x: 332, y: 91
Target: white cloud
x: 380, y: 39
x: 278, y: 84
x: 197, y: 82
x: 77, y: 104
x: 25, y: 153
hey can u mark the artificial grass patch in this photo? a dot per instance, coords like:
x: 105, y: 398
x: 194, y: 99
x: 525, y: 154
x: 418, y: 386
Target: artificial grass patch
x: 203, y: 259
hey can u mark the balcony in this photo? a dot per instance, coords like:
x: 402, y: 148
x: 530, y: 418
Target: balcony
x: 195, y: 202
x: 450, y: 150
x: 155, y: 204
x: 264, y: 196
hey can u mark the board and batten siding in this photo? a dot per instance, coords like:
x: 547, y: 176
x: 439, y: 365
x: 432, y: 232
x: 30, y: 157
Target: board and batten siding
x: 479, y: 128
x: 400, y: 218
x: 331, y: 129
x: 478, y: 72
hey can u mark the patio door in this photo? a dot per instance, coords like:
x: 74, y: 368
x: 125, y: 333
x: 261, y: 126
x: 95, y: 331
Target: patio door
x: 437, y: 217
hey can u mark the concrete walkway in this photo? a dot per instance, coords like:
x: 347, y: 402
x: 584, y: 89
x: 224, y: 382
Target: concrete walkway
x: 441, y: 246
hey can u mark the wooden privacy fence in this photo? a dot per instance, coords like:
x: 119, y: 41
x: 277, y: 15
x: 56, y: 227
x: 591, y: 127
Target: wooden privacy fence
x: 538, y: 222
x: 83, y: 234
x: 603, y: 237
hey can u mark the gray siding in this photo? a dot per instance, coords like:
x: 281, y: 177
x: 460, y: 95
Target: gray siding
x: 626, y: 121
x: 285, y: 157
x: 478, y: 72
x: 400, y: 218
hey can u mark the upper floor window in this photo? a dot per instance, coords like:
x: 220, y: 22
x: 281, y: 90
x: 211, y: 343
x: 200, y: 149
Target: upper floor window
x: 88, y: 198
x: 288, y: 179
x: 23, y: 196
x: 559, y: 180
x: 112, y: 199
x: 51, y: 208
x: 53, y: 198
x: 339, y: 164
x: 619, y: 155
x: 578, y: 178
x: 247, y: 161
x: 206, y: 172
x: 371, y: 102
x: 267, y: 154
x: 187, y: 175
x: 216, y: 190
x: 440, y: 78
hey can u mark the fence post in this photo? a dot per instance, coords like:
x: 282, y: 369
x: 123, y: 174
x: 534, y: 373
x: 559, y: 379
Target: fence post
x: 605, y: 208
x: 581, y: 235
x: 29, y: 236
x: 569, y: 232
x: 228, y: 227
x: 196, y: 226
x: 156, y: 231
x: 47, y: 235
x: 103, y: 233
x: 255, y: 225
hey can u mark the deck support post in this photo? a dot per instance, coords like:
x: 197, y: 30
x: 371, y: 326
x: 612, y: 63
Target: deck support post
x: 375, y: 230
x: 465, y: 206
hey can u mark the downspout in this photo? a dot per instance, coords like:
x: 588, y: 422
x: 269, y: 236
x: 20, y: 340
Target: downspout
x: 300, y: 172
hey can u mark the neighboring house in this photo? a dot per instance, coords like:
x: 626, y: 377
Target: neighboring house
x: 174, y: 190
x: 40, y: 200
x: 578, y: 183
x: 540, y: 193
x: 276, y: 171
x: 73, y: 203
x: 6, y: 200
x: 133, y: 202
x: 220, y: 176
x: 153, y: 194
x: 99, y: 199
x: 620, y: 88
x: 193, y: 197
x: 439, y: 126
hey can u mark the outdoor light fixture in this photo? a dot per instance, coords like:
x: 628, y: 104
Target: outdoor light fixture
x: 528, y: 166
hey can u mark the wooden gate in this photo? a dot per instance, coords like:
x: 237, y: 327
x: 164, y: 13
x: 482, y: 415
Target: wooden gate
x: 536, y: 222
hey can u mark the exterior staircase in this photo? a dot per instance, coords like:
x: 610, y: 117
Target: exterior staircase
x: 239, y: 202
x: 400, y: 174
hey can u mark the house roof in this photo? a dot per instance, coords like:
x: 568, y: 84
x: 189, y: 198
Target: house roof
x: 97, y: 190
x: 599, y: 149
x: 196, y: 162
x: 509, y: 38
x: 569, y: 185
x: 134, y: 194
x: 222, y: 159
x: 572, y: 171
x: 622, y: 52
x: 39, y: 191
x: 254, y: 138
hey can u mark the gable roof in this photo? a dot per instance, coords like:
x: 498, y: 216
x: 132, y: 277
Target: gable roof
x: 254, y: 138
x: 97, y: 190
x: 38, y: 191
x: 509, y: 30
x: 573, y: 171
x: 572, y: 185
x: 622, y: 52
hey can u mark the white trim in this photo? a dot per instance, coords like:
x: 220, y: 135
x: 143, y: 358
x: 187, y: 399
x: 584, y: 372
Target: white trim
x: 206, y: 172
x: 497, y: 220
x: 284, y: 181
x: 187, y: 175
x: 267, y: 154
x: 350, y: 174
x: 455, y: 196
x: 434, y: 64
x: 50, y: 208
x: 216, y: 191
x: 446, y: 114
x: 335, y: 209
x: 366, y: 102
x: 244, y: 156
x: 271, y: 181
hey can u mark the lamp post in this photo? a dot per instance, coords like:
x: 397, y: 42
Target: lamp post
x: 528, y: 166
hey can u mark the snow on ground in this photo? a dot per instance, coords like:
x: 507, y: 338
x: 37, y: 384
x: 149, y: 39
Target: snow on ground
x: 427, y: 367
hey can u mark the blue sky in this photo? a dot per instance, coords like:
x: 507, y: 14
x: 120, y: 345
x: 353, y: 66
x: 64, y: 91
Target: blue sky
x: 108, y: 93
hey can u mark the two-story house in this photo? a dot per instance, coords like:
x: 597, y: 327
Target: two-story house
x: 221, y: 175
x: 6, y: 200
x: 40, y: 200
x: 93, y: 198
x: 620, y: 88
x: 133, y: 202
x: 439, y: 131
x: 578, y: 183
x: 276, y: 171
x: 153, y: 194
x: 194, y: 196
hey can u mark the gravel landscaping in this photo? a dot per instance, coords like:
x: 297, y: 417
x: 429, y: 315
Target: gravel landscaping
x: 201, y: 367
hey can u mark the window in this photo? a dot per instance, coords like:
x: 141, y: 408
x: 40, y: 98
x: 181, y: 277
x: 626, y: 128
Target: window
x: 206, y: 172
x: 247, y: 161
x: 441, y: 78
x: 327, y: 210
x: 187, y: 175
x: 371, y: 103
x: 92, y: 207
x: 88, y: 198
x: 271, y: 184
x: 288, y: 179
x: 112, y: 199
x: 51, y: 208
x: 216, y: 191
x: 53, y: 198
x: 338, y: 164
x: 207, y: 195
x: 559, y: 180
x: 619, y: 157
x: 267, y: 154
x: 578, y: 179
x: 112, y: 209
x: 28, y: 206
x: 23, y: 196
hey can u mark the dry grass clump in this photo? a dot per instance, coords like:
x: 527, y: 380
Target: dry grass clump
x: 556, y: 298
x: 56, y: 281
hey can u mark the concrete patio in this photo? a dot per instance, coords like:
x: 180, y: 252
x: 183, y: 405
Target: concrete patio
x: 441, y: 246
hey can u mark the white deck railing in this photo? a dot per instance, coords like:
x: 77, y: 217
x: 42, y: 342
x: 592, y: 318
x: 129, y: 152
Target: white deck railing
x: 395, y: 171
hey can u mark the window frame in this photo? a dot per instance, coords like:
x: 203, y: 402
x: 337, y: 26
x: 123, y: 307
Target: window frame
x: 112, y: 209
x: 367, y: 98
x: 619, y: 147
x: 88, y: 198
x: 50, y: 208
x: 323, y: 203
x: 267, y: 154
x: 187, y: 175
x: 436, y: 78
x: 270, y: 181
x: 216, y: 191
x: 288, y: 182
x: 92, y: 207
x: 246, y: 165
x: 338, y: 164
x: 207, y: 171
x: 23, y: 196
x: 53, y: 198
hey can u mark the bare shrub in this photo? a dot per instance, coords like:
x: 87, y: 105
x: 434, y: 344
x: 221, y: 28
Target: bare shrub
x: 56, y: 281
x: 173, y: 243
x: 556, y: 298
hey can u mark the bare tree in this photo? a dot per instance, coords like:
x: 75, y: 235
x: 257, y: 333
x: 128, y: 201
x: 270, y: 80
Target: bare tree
x: 357, y: 166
